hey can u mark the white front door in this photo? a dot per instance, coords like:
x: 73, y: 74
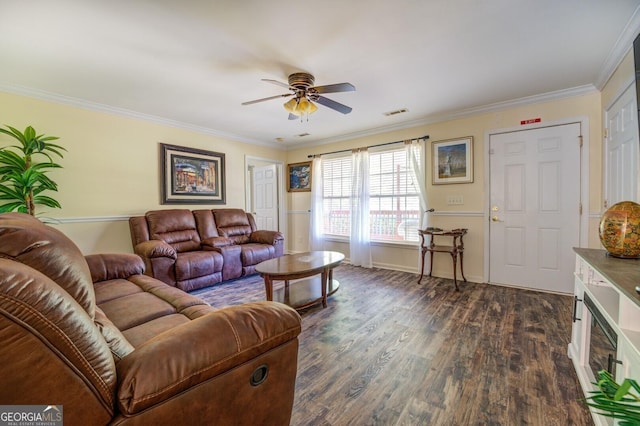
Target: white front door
x: 535, y: 207
x: 265, y: 197
x: 621, y: 149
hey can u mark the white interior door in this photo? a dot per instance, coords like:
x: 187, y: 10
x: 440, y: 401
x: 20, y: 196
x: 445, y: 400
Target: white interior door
x: 265, y: 197
x: 535, y: 207
x: 621, y: 149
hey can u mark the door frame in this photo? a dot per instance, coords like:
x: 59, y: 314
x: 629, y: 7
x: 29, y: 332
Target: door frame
x: 629, y: 85
x: 584, y: 179
x: 249, y: 160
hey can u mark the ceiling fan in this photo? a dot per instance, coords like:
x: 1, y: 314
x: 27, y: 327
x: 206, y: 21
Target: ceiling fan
x: 305, y: 94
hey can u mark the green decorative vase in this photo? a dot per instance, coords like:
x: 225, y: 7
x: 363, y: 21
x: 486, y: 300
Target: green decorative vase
x: 620, y: 230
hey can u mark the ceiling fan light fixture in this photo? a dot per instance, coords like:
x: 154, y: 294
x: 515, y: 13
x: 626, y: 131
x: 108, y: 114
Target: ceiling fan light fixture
x: 292, y: 106
x: 300, y: 106
x: 305, y: 106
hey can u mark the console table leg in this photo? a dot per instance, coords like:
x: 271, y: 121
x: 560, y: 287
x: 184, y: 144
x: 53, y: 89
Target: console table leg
x: 461, y: 267
x: 422, y: 268
x: 454, y: 258
x: 430, y: 262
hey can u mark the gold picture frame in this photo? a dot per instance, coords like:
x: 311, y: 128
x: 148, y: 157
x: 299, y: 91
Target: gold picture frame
x: 453, y: 161
x: 299, y: 177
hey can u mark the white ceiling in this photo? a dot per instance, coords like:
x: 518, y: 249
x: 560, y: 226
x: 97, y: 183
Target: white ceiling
x: 191, y: 63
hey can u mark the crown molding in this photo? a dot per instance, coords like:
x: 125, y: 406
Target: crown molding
x: 620, y: 49
x: 436, y: 118
x: 457, y: 114
x: 94, y: 106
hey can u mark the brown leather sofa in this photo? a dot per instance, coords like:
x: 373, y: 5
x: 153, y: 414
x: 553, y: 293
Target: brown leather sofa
x: 195, y: 249
x: 115, y: 346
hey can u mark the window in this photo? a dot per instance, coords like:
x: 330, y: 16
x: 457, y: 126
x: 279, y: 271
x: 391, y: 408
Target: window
x: 394, y: 200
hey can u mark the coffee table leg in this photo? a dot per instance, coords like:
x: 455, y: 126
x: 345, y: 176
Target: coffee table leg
x: 268, y: 287
x: 325, y: 283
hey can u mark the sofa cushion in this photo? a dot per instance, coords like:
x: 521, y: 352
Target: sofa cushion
x: 252, y: 254
x: 198, y: 264
x: 45, y: 329
x: 233, y: 224
x: 119, y: 345
x: 25, y: 239
x: 158, y: 307
x: 176, y: 227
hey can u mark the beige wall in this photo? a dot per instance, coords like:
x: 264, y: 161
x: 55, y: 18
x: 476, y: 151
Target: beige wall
x: 111, y: 168
x: 470, y: 214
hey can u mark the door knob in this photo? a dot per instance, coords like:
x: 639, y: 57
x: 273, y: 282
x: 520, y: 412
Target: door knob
x: 495, y: 219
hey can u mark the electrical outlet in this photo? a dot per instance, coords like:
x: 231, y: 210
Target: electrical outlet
x: 455, y: 200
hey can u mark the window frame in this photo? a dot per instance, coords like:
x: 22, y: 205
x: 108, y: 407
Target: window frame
x: 417, y: 212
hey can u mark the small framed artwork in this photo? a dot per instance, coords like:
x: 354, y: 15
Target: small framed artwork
x: 191, y: 176
x: 299, y: 177
x: 453, y: 161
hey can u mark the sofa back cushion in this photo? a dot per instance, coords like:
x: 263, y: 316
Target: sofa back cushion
x: 206, y: 224
x: 26, y: 240
x: 176, y: 227
x: 52, y: 349
x: 233, y: 224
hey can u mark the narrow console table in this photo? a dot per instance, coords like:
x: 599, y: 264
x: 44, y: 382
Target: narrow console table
x: 605, y: 332
x: 456, y: 249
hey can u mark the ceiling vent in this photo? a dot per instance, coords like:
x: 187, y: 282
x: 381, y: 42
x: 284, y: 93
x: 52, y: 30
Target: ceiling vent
x: 396, y: 112
x: 302, y: 135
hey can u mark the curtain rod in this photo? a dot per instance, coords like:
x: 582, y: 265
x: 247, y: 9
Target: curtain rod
x: 425, y: 137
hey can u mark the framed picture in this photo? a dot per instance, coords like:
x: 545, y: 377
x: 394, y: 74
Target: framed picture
x: 299, y: 177
x: 191, y: 176
x: 453, y: 161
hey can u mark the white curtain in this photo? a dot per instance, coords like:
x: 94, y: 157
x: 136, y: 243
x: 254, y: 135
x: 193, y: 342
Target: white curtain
x: 360, y: 241
x: 316, y: 229
x: 416, y: 159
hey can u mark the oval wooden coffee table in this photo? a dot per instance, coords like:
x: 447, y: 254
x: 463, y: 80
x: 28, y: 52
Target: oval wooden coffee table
x: 316, y: 267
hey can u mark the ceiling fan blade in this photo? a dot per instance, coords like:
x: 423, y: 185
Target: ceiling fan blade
x: 333, y: 105
x: 267, y: 99
x: 333, y: 88
x: 276, y: 82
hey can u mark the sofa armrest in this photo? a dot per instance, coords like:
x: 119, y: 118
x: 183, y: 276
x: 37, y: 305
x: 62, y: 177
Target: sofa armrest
x: 167, y: 365
x: 113, y: 266
x: 216, y: 242
x: 155, y: 248
x: 266, y: 237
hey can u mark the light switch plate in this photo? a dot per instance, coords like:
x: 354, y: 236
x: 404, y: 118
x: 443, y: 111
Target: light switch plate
x: 455, y: 200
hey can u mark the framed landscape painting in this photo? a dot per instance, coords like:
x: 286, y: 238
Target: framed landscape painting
x: 191, y: 176
x: 453, y: 161
x: 299, y: 177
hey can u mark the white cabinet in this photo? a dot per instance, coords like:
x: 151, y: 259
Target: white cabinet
x: 605, y: 332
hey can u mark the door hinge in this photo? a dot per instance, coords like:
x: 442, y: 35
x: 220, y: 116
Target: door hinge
x: 580, y: 141
x: 580, y: 209
x: 606, y: 204
x: 606, y: 132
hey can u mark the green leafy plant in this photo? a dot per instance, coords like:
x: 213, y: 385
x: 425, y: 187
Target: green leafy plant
x: 22, y: 179
x: 617, y: 401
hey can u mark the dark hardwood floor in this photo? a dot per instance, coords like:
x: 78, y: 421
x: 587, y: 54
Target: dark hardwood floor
x: 389, y: 351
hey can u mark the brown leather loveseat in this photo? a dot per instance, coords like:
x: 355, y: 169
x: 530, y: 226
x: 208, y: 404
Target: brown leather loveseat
x: 114, y: 346
x: 195, y: 249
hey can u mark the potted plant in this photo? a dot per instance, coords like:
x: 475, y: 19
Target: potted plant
x: 616, y: 401
x: 22, y: 178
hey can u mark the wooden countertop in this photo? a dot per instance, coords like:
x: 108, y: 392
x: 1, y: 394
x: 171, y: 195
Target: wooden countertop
x: 622, y: 273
